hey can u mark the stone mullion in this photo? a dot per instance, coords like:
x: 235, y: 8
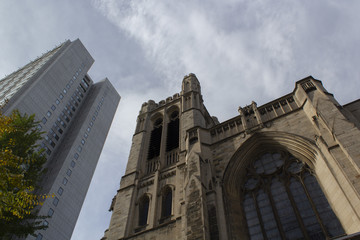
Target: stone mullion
x: 314, y: 208
x: 296, y: 210
x: 153, y: 214
x: 259, y: 215
x: 162, y: 155
x: 221, y: 211
x: 277, y: 218
x: 156, y: 213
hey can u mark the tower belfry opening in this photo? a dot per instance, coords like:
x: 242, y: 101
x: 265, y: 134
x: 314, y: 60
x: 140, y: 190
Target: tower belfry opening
x: 155, y: 140
x: 172, y: 140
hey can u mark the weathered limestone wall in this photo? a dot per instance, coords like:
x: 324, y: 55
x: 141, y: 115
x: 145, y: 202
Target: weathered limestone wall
x: 212, y: 159
x: 354, y: 109
x: 121, y: 212
x: 335, y: 139
x: 168, y: 231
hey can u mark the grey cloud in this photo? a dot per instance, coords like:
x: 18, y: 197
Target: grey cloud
x: 264, y: 45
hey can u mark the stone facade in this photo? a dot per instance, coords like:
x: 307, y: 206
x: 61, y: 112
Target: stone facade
x: 234, y: 180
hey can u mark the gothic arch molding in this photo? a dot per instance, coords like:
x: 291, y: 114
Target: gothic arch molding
x: 165, y: 204
x: 172, y: 109
x: 260, y: 142
x: 143, y: 206
x: 164, y: 188
x: 235, y: 173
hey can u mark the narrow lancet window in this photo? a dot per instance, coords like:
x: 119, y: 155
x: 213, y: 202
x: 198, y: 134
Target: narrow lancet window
x: 143, y: 210
x: 166, y: 203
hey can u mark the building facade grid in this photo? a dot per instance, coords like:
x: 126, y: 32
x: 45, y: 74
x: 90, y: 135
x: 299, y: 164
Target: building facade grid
x: 75, y: 115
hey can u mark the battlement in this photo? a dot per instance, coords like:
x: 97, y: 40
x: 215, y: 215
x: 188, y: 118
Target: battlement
x: 252, y: 117
x: 151, y: 105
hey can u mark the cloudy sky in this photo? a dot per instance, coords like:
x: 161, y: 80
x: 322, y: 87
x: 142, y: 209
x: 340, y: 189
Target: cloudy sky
x: 240, y: 50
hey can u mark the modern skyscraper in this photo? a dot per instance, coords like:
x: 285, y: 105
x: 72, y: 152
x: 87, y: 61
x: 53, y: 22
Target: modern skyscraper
x: 75, y: 115
x: 288, y: 169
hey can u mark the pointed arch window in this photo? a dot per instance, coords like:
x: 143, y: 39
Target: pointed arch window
x: 166, y: 203
x: 172, y: 140
x: 283, y: 200
x: 143, y: 210
x: 155, y: 139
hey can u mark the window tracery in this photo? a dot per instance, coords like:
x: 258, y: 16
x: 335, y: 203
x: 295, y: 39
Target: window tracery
x: 282, y: 199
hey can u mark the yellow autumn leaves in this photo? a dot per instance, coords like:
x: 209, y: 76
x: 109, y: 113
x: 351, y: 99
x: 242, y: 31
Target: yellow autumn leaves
x: 20, y: 166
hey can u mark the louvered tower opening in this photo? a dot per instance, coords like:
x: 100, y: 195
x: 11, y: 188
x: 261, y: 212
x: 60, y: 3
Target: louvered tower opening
x: 172, y: 140
x: 155, y: 140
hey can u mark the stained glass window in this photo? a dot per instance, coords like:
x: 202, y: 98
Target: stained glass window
x: 283, y: 200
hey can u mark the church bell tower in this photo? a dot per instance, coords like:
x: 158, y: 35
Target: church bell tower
x: 288, y: 169
x: 161, y: 191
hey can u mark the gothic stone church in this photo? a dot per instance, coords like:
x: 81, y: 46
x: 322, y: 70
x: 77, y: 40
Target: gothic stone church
x: 288, y: 169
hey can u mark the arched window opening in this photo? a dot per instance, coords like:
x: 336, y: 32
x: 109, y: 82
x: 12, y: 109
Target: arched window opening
x: 143, y: 210
x: 166, y: 203
x: 283, y: 200
x: 172, y: 141
x: 155, y: 140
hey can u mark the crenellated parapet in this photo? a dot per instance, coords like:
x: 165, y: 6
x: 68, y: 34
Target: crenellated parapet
x: 252, y: 118
x: 152, y: 106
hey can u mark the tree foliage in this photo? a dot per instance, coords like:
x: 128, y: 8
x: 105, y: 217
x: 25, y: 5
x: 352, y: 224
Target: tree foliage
x: 21, y: 167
